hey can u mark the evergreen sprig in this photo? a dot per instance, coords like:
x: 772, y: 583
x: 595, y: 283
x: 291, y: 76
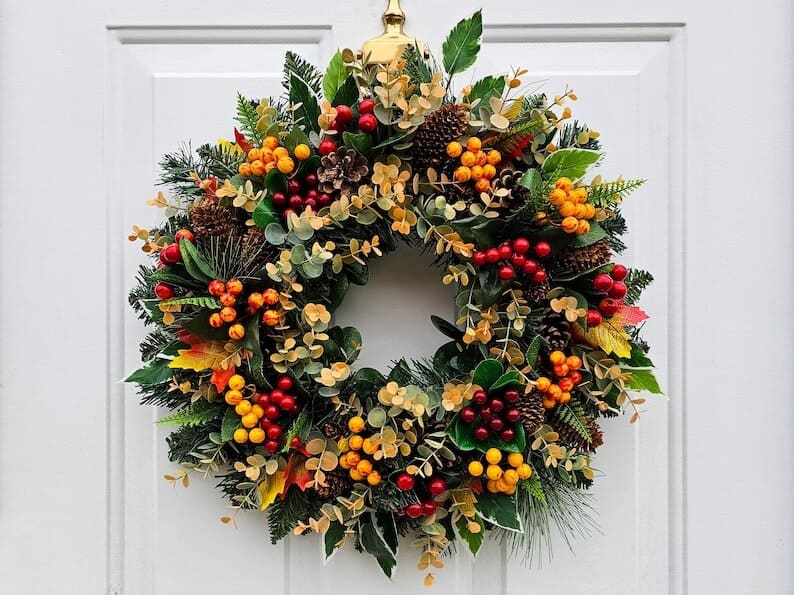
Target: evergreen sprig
x: 608, y: 194
x: 155, y: 342
x: 416, y: 66
x: 636, y: 282
x: 195, y: 414
x: 572, y: 415
x: 569, y: 137
x: 284, y: 514
x: 295, y: 65
x: 615, y: 227
x: 247, y: 118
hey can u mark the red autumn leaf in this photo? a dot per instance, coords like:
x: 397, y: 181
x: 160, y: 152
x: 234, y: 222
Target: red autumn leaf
x: 297, y: 474
x: 220, y: 378
x: 203, y: 354
x: 629, y: 316
x: 241, y: 142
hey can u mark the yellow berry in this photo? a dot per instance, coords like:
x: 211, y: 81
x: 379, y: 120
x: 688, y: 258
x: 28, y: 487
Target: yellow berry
x: 567, y: 209
x: 468, y: 159
x: 564, y: 184
x: 494, y: 472
x: 557, y: 197
x: 580, y: 211
x: 344, y: 446
x: 370, y: 446
x: 543, y: 384
x: 254, y: 155
x: 515, y: 459
x: 589, y: 211
x: 570, y: 224
x: 474, y: 144
x: 236, y: 332
x: 373, y: 478
x: 343, y: 461
x: 549, y: 403
x: 286, y: 165
x: 355, y: 442
x: 501, y: 485
x: 302, y: 152
x: 475, y: 468
x: 233, y: 397
x: 241, y: 436
x: 271, y: 142
x: 565, y: 397
x: 249, y: 420
x: 482, y: 158
x: 476, y: 172
x: 258, y: 168
x: 259, y: 411
x: 524, y: 471
x: 243, y: 408
x: 509, y: 490
x: 355, y: 475
x: 482, y: 185
x: 463, y: 174
x: 582, y: 228
x: 356, y: 424
x: 244, y: 169
x: 494, y: 157
x: 353, y: 458
x: 488, y: 171
x: 257, y: 435
x: 581, y: 194
x: 364, y: 467
x: 280, y: 153
x: 454, y: 149
x: 492, y: 487
x: 510, y: 477
x: 557, y: 358
x: 493, y: 456
x: 236, y: 382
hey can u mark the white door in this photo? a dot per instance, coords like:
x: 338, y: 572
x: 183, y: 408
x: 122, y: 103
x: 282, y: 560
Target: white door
x: 694, y: 96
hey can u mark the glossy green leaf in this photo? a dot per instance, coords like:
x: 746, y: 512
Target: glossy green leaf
x: 462, y: 45
x: 508, y: 380
x: 155, y: 372
x: 569, y: 163
x: 487, y: 372
x: 500, y: 510
x: 644, y: 380
x: 374, y: 543
x: 334, y: 535
x: 473, y: 540
x: 231, y: 421
x: 462, y: 435
x: 485, y: 88
x: 347, y: 94
x: 360, y: 142
x: 265, y: 213
x: 309, y: 110
x: 335, y: 76
x: 196, y: 265
x: 446, y: 328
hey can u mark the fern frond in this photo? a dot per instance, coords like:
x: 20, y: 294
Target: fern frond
x: 247, y: 118
x: 196, y: 414
x: 511, y: 140
x: 200, y: 301
x: 573, y: 417
x: 636, y: 282
x: 576, y: 134
x: 611, y: 193
x: 295, y: 65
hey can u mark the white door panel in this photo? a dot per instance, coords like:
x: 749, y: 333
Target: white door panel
x: 697, y: 100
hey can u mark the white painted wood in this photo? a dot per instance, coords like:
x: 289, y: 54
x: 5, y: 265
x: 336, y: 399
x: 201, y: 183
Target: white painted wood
x: 91, y: 97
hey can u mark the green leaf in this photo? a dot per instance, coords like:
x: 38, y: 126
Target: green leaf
x: 360, y: 142
x: 309, y: 110
x: 175, y: 275
x: 388, y: 528
x: 275, y: 234
x: 296, y: 66
x: 338, y: 291
x: 368, y: 380
x: 595, y: 234
x: 446, y: 328
x: 462, y: 435
x: 533, y: 351
x: 487, y: 372
x: 231, y: 421
x: 155, y: 372
x: 374, y: 543
x: 644, y: 380
x: 638, y: 359
x: 275, y: 181
x: 462, y: 45
x: 335, y: 534
x: 196, y: 265
x: 485, y: 88
x: 473, y: 540
x: 200, y: 301
x: 351, y: 343
x: 532, y: 182
x: 196, y: 414
x: 335, y: 76
x: 295, y: 137
x: 500, y: 510
x: 347, y: 94
x: 507, y: 381
x: 200, y: 326
x: 569, y: 163
x: 257, y: 360
x: 265, y: 213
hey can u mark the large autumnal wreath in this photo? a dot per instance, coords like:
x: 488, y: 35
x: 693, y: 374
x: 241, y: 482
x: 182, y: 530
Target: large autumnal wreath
x: 496, y: 433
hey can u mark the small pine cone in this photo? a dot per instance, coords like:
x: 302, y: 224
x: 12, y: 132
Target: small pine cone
x: 210, y: 220
x: 577, y: 260
x: 536, y: 293
x: 510, y: 180
x: 446, y: 124
x: 464, y: 192
x: 338, y: 482
x: 532, y: 412
x: 333, y: 431
x: 555, y: 329
x: 342, y: 171
x: 570, y: 436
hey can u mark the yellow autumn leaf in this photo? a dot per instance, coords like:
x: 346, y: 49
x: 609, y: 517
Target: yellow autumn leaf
x: 610, y: 337
x: 271, y: 488
x: 203, y: 355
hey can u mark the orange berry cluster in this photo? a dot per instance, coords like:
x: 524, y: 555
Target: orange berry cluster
x: 249, y: 413
x: 475, y: 164
x: 272, y: 155
x: 501, y: 480
x: 572, y: 206
x: 228, y: 295
x: 355, y: 449
x: 566, y: 370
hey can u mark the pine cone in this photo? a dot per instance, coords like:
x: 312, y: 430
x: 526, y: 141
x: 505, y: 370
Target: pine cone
x: 333, y: 431
x: 464, y: 192
x: 577, y: 260
x: 342, y: 171
x: 536, y: 293
x: 555, y: 329
x: 210, y: 220
x: 532, y: 412
x: 446, y: 124
x: 338, y: 482
x: 570, y: 436
x: 510, y: 180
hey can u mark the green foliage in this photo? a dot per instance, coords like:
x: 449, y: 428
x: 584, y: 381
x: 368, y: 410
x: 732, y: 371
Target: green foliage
x: 636, y: 282
x: 284, y: 514
x: 175, y: 171
x: 247, y: 118
x: 308, y: 112
x: 373, y: 541
x: 610, y: 193
x: 473, y: 540
x: 574, y: 134
x: 195, y: 414
x: 189, y: 444
x: 509, y: 141
x: 572, y: 415
x: 416, y: 66
x: 143, y: 290
x: 535, y: 489
x: 200, y: 301
x: 644, y: 380
x: 153, y: 373
x: 462, y: 45
x: 231, y: 421
x: 615, y: 227
x: 265, y: 213
x: 569, y: 163
x: 462, y: 435
x: 595, y: 234
x: 487, y: 87
x: 155, y: 342
x: 296, y: 67
x: 197, y: 266
x: 500, y: 511
x: 335, y: 76
x: 487, y: 372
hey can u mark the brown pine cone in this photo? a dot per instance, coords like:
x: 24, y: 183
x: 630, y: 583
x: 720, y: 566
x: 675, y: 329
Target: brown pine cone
x: 578, y: 260
x: 574, y: 438
x: 338, y: 482
x: 448, y: 123
x: 342, y: 171
x: 555, y: 329
x: 210, y: 220
x: 532, y: 412
x: 333, y: 431
x: 536, y: 293
x: 510, y: 180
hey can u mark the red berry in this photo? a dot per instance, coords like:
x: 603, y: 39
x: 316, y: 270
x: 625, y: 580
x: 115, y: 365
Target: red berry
x: 263, y: 400
x: 272, y: 446
x: 521, y: 245
x: 293, y: 187
x: 311, y: 202
x: 414, y: 510
x: 575, y: 376
x: 594, y: 318
x: 602, y: 283
x: 312, y: 194
x: 492, y: 256
x: 287, y: 403
x: 310, y: 180
x: 508, y: 434
x: 512, y: 415
x: 296, y: 442
x: 368, y: 123
x: 184, y: 234
x: 367, y: 106
x: 497, y: 405
x: 619, y: 272
x: 276, y: 395
x: 505, y: 252
x: 428, y: 508
x: 506, y: 272
x: 530, y: 267
x: 324, y: 200
x: 609, y: 307
x: 170, y: 254
x: 284, y: 383
x: 279, y: 200
x: 478, y: 259
x: 163, y: 291
x: 479, y: 397
x: 512, y: 396
x: 542, y: 249
x: 296, y: 201
x: 539, y: 277
x: 343, y: 114
x: 326, y: 147
x: 274, y: 432
x: 467, y: 415
x: 518, y: 261
x: 486, y: 413
x: 618, y: 290
x: 405, y: 482
x: 272, y: 412
x: 497, y: 424
x: 481, y: 433
x: 437, y: 486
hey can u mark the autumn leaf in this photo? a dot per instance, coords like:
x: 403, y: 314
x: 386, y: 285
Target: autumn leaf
x: 629, y: 316
x: 610, y: 337
x: 220, y: 377
x: 297, y: 474
x: 241, y: 142
x: 202, y: 355
x: 271, y: 488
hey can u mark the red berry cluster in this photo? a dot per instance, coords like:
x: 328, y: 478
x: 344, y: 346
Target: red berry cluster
x: 367, y: 123
x: 493, y: 415
x: 300, y: 195
x: 169, y: 255
x: 427, y: 507
x: 615, y: 289
x: 279, y: 405
x: 514, y: 259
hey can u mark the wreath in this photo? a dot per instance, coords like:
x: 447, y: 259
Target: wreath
x: 263, y: 236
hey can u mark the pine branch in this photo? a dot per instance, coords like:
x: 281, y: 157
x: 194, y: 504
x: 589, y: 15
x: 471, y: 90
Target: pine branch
x: 573, y: 416
x: 295, y: 65
x: 247, y: 118
x: 636, y: 282
x: 284, y: 514
x: 416, y: 66
x: 615, y: 226
x: 143, y: 290
x: 218, y: 161
x: 575, y: 134
x: 610, y: 193
x: 154, y: 343
x: 195, y: 414
x: 191, y: 444
x: 175, y: 169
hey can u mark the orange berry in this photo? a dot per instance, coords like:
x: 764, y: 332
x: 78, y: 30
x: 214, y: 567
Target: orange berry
x: 567, y: 209
x: 267, y: 155
x: 549, y: 403
x: 574, y: 362
x: 356, y: 424
x: 554, y: 392
x: 590, y: 211
x: 241, y: 435
x: 494, y: 157
x: 557, y: 197
x: 228, y: 314
x: 244, y: 169
x: 236, y: 382
x: 249, y: 420
x: 581, y: 194
x: 234, y: 286
x: 271, y: 297
x: 474, y: 144
x: 215, y: 320
x: 227, y: 299
x: 582, y: 227
x: 236, y: 332
x: 570, y: 224
x: 491, y: 486
x: 286, y: 165
x: 482, y: 158
x: 511, y: 477
x: 374, y: 478
x: 488, y: 171
x: 256, y: 301
x: 259, y: 411
x: 579, y: 211
x: 364, y: 467
x: 475, y: 468
x: 566, y: 384
x: 269, y: 166
x: 344, y: 446
x: 463, y: 174
x: 280, y: 153
x: 543, y: 384
x: 369, y: 446
x: 233, y: 397
x: 494, y: 472
x: 254, y: 155
x: 271, y: 142
x: 257, y: 435
x: 468, y: 159
x: 271, y: 317
x: 524, y: 471
x: 482, y: 185
x: 557, y: 358
x: 565, y: 397
x: 564, y: 184
x: 355, y: 442
x: 476, y: 172
x: 302, y: 152
x: 353, y: 458
x: 355, y: 475
x: 454, y: 149
x: 561, y: 370
x: 243, y: 408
